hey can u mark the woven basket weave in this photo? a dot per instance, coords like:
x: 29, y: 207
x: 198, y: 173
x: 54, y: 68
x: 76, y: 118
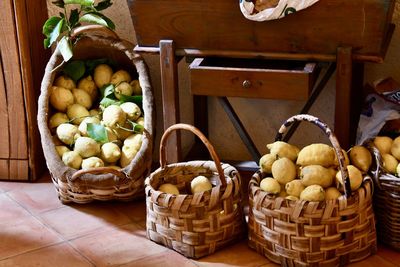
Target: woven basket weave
x: 103, y: 183
x: 301, y: 233
x: 194, y: 225
x: 386, y: 200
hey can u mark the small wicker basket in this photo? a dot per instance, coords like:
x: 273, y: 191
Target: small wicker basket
x: 386, y: 200
x: 194, y: 225
x: 301, y: 233
x: 103, y: 183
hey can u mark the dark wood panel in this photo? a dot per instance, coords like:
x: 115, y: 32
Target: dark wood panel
x: 321, y: 28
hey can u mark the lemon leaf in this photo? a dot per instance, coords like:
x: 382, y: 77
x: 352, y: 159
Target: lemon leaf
x: 103, y: 5
x: 75, y: 69
x: 65, y: 48
x: 97, y: 132
x: 93, y: 18
x: 79, y: 2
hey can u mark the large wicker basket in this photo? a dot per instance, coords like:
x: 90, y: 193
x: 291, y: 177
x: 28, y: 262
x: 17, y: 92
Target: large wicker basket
x: 199, y: 224
x: 301, y: 233
x: 386, y: 201
x: 98, y: 183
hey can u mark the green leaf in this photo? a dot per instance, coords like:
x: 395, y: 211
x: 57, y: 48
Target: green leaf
x: 97, y: 132
x: 107, y: 90
x: 103, y: 5
x: 105, y: 102
x: 137, y: 128
x: 93, y: 18
x: 137, y: 99
x: 75, y: 69
x: 49, y: 25
x: 65, y: 48
x: 73, y: 17
x: 55, y: 33
x: 109, y: 22
x: 79, y: 2
x: 59, y: 3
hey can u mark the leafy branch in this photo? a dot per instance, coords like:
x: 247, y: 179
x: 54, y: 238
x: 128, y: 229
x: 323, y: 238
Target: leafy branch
x: 59, y: 28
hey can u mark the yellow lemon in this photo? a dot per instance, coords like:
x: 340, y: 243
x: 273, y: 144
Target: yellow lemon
x: 294, y: 188
x: 316, y: 174
x: 284, y: 170
x: 355, y: 177
x: 266, y: 162
x: 383, y: 144
x: 361, y: 158
x: 270, y: 185
x: 200, y: 184
x: 313, y: 193
x: 284, y: 150
x: 317, y: 154
x: 389, y: 163
x: 395, y: 148
x: 332, y: 193
x: 169, y: 189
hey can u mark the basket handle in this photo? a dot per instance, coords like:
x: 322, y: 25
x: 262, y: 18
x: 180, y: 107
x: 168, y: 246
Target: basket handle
x: 94, y: 30
x: 98, y: 170
x: 183, y: 126
x: 332, y: 138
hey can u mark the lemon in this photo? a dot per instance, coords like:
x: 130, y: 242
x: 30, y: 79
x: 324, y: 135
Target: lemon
x: 361, y: 158
x: 283, y: 150
x: 61, y: 150
x: 395, y: 148
x: 332, y: 193
x: 64, y: 82
x: 92, y: 162
x: 67, y: 133
x: 72, y: 159
x: 294, y: 188
x: 383, y: 144
x: 89, y: 86
x: 82, y: 97
x: 266, y: 162
x: 77, y: 113
x: 389, y: 163
x: 313, y: 193
x: 113, y: 115
x: 284, y: 170
x: 61, y: 98
x: 317, y: 154
x: 57, y: 119
x: 110, y: 152
x: 86, y: 147
x: 120, y: 76
x: 293, y: 198
x: 316, y: 174
x: 270, y: 185
x: 123, y: 88
x: 137, y: 90
x: 200, y: 184
x: 355, y: 177
x: 169, y: 189
x: 102, y: 75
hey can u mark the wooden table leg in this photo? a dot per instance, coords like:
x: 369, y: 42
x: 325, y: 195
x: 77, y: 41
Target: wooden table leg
x: 344, y: 71
x: 170, y: 97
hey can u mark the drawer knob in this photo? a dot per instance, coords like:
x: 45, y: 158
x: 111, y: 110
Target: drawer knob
x: 246, y: 84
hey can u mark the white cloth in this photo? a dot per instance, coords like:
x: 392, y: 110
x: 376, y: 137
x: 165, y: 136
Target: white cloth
x: 284, y: 7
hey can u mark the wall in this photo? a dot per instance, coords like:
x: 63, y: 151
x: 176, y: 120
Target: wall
x: 266, y: 115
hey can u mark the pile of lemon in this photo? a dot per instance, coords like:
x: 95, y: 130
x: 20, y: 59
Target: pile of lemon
x: 390, y: 153
x: 311, y: 173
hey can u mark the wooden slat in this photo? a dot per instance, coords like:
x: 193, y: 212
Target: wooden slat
x: 169, y: 81
x: 19, y: 170
x: 33, y: 58
x: 4, y: 134
x: 4, y: 169
x: 12, y: 76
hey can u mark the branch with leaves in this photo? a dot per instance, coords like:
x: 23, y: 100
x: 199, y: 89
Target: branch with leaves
x: 58, y: 29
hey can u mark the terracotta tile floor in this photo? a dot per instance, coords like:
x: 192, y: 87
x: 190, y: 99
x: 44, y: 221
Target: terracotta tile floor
x: 37, y: 230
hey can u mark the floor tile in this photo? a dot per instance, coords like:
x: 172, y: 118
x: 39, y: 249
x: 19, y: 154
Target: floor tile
x: 24, y: 235
x: 374, y: 261
x: 236, y: 255
x: 135, y: 210
x: 166, y: 259
x: 116, y: 246
x: 10, y: 210
x: 77, y: 220
x: 61, y: 255
x: 37, y: 197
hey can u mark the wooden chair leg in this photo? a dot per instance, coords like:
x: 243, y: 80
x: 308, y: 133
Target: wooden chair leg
x: 170, y: 97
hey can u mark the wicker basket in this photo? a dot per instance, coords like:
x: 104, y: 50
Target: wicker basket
x: 104, y: 183
x: 301, y: 233
x: 194, y: 225
x: 386, y: 200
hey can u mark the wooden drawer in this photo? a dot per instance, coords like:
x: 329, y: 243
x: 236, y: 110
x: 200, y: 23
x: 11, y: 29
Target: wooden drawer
x: 291, y: 80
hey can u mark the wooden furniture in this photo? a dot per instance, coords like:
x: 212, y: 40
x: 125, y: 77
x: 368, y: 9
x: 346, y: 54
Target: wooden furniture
x: 21, y: 67
x: 345, y: 33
